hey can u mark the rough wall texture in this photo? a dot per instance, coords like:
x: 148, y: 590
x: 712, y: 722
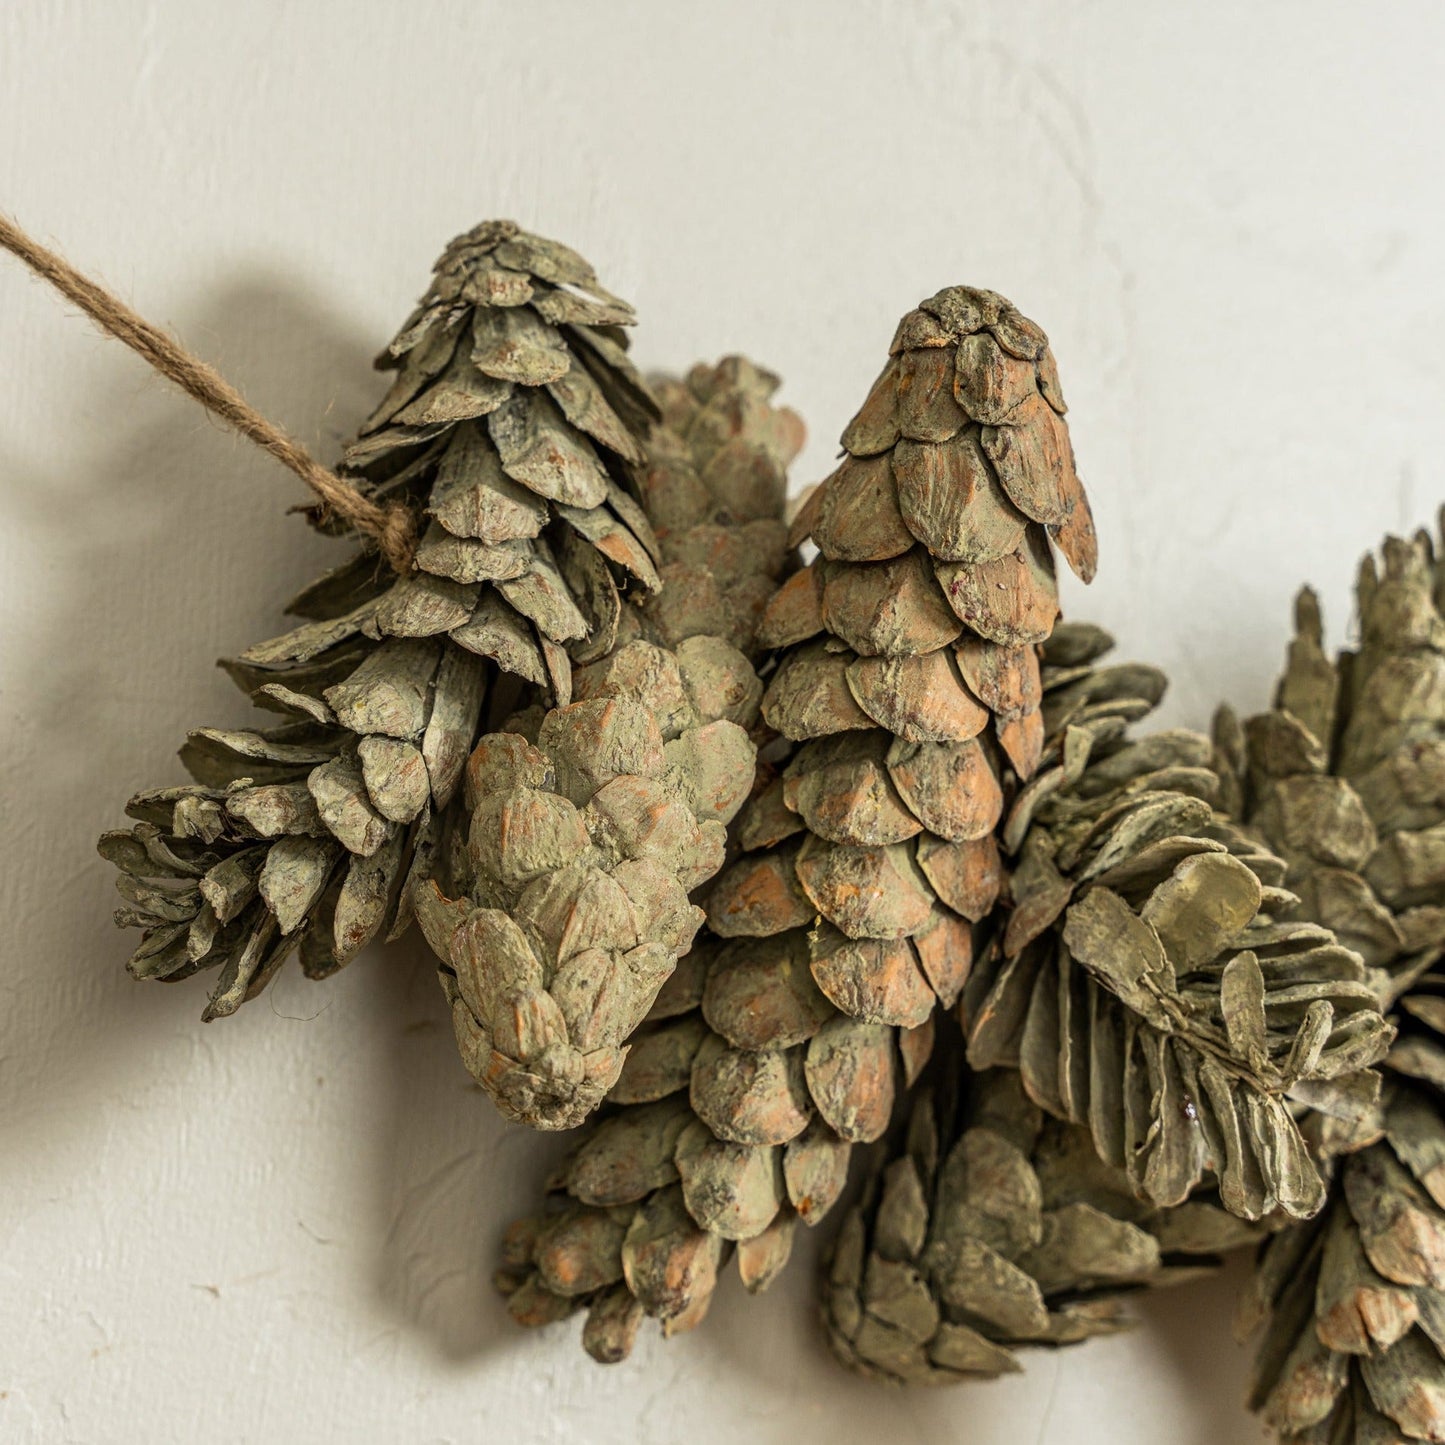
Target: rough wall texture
x: 278, y: 1227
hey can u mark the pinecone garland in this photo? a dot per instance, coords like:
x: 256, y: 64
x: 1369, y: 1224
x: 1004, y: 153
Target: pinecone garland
x: 908, y: 677
x: 1346, y: 778
x: 513, y: 424
x: 587, y: 835
x: 1142, y: 982
x: 996, y: 1227
x: 1170, y: 1030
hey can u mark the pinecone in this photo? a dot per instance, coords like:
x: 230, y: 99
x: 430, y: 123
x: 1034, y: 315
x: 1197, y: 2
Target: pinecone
x: 513, y: 424
x: 590, y: 826
x: 735, y: 1116
x: 909, y: 676
x: 1346, y: 778
x: 993, y: 1227
x: 1353, y: 1302
x: 1142, y: 983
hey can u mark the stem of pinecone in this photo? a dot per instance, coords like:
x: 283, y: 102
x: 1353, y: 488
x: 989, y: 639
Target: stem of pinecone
x: 391, y: 528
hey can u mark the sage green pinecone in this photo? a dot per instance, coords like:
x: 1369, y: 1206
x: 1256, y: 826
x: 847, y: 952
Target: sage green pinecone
x: 1353, y: 1301
x: 590, y: 826
x: 1346, y: 777
x: 994, y: 1227
x: 514, y: 427
x: 1145, y: 980
x: 732, y: 1122
x: 908, y: 675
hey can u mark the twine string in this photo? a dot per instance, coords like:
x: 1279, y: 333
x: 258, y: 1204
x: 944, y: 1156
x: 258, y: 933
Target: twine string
x: 391, y: 528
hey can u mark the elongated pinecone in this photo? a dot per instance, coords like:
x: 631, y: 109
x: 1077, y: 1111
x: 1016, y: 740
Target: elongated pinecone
x: 995, y: 1227
x: 737, y: 1110
x: 589, y: 828
x: 1346, y: 777
x: 1142, y: 982
x: 909, y: 676
x: 1353, y: 1301
x: 513, y: 425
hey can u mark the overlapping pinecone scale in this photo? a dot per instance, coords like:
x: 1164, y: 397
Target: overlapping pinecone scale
x: 1345, y: 778
x: 514, y: 425
x: 731, y: 1123
x: 993, y: 1227
x: 908, y: 672
x: 589, y: 824
x: 1143, y: 981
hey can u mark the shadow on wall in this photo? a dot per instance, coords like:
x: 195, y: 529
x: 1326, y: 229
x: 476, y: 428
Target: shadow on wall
x: 1210, y: 1368
x: 451, y: 1173
x: 139, y: 529
x: 151, y: 519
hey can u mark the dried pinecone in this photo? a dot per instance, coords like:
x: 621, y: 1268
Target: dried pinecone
x: 909, y: 676
x: 1142, y: 983
x: 737, y: 1110
x: 513, y: 424
x: 590, y: 826
x: 1353, y: 1302
x: 1346, y: 777
x: 993, y: 1227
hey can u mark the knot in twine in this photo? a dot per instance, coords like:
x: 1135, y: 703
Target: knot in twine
x: 392, y: 528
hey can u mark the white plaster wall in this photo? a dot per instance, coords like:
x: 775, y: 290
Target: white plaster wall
x: 278, y: 1228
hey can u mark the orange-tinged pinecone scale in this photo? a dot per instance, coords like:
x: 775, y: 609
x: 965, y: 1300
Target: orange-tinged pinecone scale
x: 908, y: 676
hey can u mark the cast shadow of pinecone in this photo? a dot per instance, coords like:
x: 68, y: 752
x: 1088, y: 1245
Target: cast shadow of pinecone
x: 449, y: 1170
x: 138, y: 498
x: 158, y: 517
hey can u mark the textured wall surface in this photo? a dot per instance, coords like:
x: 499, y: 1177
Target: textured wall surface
x: 279, y: 1227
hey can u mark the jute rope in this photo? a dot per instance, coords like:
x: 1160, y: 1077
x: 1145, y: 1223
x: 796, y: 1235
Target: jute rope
x: 391, y: 528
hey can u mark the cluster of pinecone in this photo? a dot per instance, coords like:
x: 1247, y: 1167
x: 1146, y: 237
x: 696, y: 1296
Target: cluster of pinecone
x: 722, y: 853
